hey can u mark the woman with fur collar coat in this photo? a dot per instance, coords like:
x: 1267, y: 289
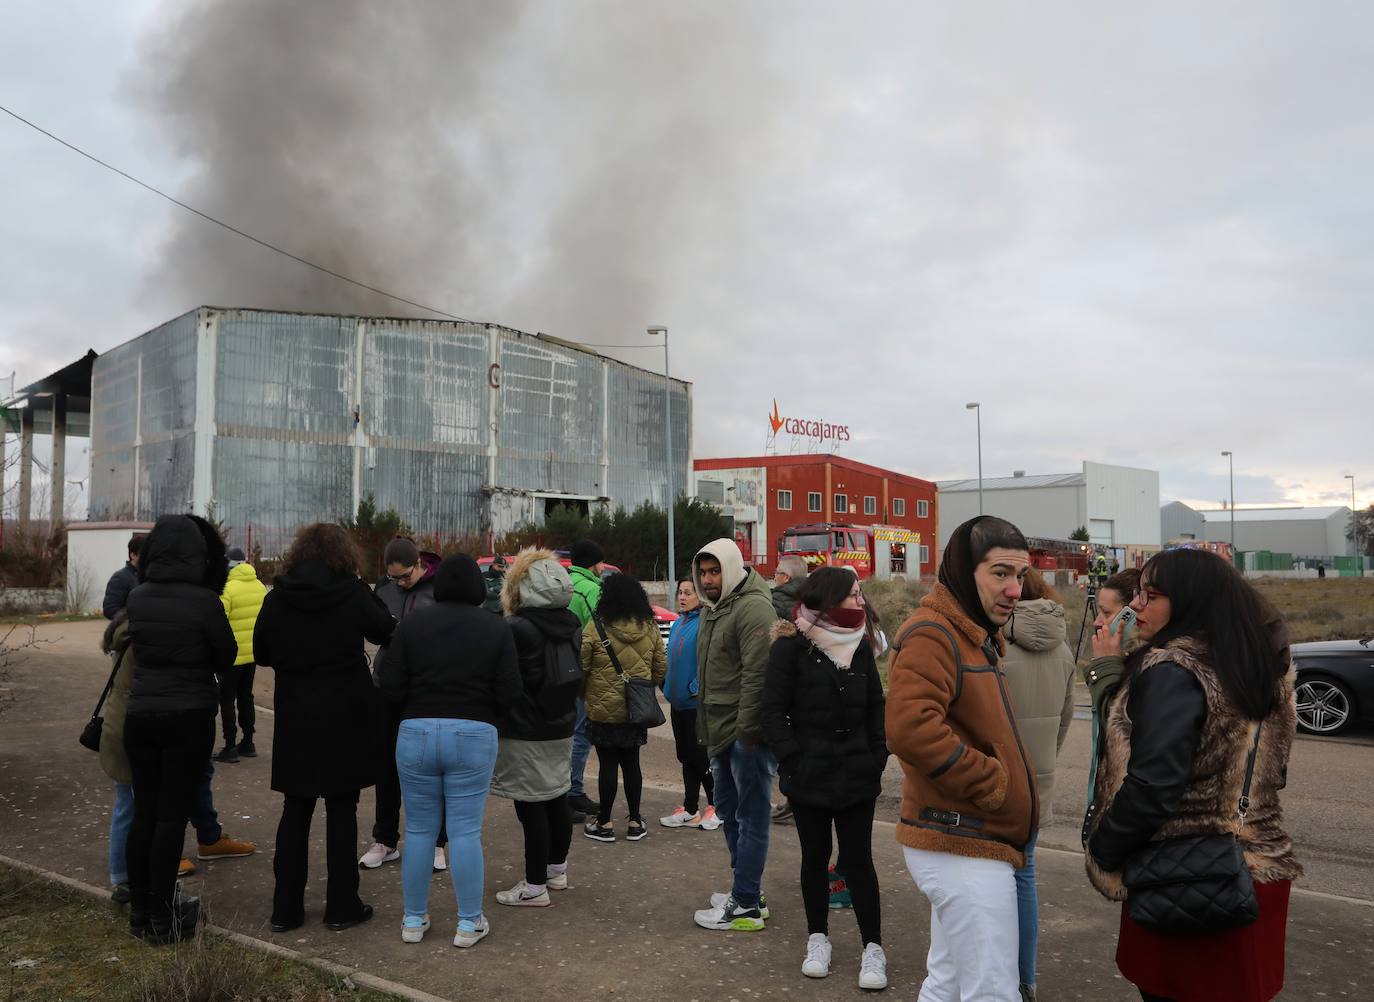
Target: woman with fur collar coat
x: 1214, y: 673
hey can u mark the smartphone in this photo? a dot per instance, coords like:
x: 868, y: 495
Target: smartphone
x: 1122, y: 623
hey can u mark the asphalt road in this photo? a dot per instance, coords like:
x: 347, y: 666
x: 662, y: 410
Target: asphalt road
x: 625, y: 926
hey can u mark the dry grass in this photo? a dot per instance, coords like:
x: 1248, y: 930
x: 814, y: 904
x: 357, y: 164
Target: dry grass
x: 59, y: 944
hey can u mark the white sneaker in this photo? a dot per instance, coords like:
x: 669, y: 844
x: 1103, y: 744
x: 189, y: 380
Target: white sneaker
x: 471, y: 933
x: 414, y: 933
x: 709, y: 821
x: 440, y: 862
x: 680, y: 819
x: 556, y: 881
x: 817, y: 962
x: 720, y: 897
x: 522, y: 895
x: 730, y: 915
x: 378, y: 854
x: 873, y: 968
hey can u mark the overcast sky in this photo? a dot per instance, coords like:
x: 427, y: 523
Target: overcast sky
x: 1136, y: 238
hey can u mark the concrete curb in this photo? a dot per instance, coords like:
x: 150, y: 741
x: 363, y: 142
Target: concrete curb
x: 361, y: 978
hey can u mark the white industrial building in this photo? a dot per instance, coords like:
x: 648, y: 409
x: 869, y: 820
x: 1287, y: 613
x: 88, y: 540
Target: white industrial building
x: 1303, y: 532
x: 1118, y: 505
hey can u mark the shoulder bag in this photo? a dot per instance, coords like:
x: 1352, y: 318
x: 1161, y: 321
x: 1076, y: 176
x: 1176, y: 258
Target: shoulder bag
x: 90, y: 734
x: 1194, y: 884
x: 641, y: 695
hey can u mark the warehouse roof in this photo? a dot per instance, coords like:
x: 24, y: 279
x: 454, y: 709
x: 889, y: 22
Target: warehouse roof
x: 1016, y: 483
x: 1273, y: 514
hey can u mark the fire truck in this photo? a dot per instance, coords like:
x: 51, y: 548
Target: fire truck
x: 873, y: 551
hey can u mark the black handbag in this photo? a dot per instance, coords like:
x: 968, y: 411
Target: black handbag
x: 1193, y: 884
x: 641, y: 695
x: 90, y: 734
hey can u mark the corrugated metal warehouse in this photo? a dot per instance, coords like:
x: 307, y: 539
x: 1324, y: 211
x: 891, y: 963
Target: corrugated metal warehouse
x: 1303, y: 532
x: 286, y: 418
x: 1118, y: 505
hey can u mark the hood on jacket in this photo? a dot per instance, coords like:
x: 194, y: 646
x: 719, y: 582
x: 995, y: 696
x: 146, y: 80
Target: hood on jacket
x: 536, y: 580
x: 1037, y: 625
x: 459, y: 580
x: 242, y: 572
x: 186, y: 549
x: 629, y: 631
x: 311, y: 585
x: 732, y: 569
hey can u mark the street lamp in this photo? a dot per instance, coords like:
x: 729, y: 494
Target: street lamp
x: 668, y: 456
x: 1231, y: 462
x: 1355, y: 517
x: 978, y: 413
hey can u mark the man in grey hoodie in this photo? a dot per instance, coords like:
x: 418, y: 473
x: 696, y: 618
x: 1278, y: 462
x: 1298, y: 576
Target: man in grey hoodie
x: 732, y: 656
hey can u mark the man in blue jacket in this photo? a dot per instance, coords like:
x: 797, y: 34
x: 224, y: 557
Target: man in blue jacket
x: 680, y: 687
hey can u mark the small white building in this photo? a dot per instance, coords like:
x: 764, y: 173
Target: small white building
x: 95, y: 550
x: 1118, y: 505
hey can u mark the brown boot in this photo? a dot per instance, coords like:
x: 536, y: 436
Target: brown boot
x: 186, y: 868
x: 225, y: 848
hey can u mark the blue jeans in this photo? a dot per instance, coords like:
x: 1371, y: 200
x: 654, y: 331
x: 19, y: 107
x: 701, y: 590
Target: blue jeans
x: 581, y: 748
x: 1028, y: 914
x: 203, y: 817
x: 445, y: 767
x: 744, y: 802
x: 120, y: 819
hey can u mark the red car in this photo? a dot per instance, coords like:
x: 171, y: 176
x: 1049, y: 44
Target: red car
x: 665, y: 618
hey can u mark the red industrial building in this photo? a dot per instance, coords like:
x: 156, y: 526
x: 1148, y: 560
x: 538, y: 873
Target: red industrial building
x: 769, y: 494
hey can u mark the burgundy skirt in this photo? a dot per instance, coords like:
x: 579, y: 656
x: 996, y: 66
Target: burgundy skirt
x: 1243, y: 965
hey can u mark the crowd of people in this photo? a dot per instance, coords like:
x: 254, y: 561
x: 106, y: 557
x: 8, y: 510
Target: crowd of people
x: 503, y: 682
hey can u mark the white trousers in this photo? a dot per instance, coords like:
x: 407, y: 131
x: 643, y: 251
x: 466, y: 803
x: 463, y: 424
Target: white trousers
x: 973, y: 927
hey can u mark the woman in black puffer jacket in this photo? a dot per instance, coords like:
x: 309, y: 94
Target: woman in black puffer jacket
x: 180, y: 638
x: 823, y: 719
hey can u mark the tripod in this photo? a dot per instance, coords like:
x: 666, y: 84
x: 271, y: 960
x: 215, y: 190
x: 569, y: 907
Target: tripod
x: 1089, y: 612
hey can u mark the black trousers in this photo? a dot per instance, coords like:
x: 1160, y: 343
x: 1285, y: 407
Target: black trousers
x: 1147, y: 997
x: 853, y: 829
x: 291, y: 863
x: 609, y: 763
x: 548, y: 835
x: 386, y: 827
x: 236, y: 711
x: 696, y: 766
x: 167, y: 755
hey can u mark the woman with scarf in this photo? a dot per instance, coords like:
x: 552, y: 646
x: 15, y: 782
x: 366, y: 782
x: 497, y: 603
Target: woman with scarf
x: 823, y: 718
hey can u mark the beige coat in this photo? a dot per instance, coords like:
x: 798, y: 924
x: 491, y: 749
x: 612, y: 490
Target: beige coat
x: 1040, y: 670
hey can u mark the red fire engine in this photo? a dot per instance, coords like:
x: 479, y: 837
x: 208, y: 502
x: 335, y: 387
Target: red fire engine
x: 873, y: 551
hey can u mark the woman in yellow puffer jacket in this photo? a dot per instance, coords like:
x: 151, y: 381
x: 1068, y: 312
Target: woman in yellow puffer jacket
x: 627, y: 620
x: 242, y: 598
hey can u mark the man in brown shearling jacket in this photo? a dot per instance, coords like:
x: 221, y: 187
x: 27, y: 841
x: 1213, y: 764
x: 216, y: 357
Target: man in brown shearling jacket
x: 969, y: 802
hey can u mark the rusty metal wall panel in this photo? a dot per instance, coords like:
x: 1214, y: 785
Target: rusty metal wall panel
x: 157, y: 408
x: 549, y: 418
x: 286, y: 372
x: 266, y: 488
x: 637, y: 437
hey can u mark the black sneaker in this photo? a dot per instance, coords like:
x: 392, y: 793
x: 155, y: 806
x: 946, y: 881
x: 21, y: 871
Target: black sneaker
x: 583, y: 804
x: 181, y: 927
x: 578, y: 818
x: 598, y: 832
x: 247, y: 749
x: 227, y: 754
x: 635, y: 831
x: 782, y: 814
x: 119, y: 894
x: 339, y: 925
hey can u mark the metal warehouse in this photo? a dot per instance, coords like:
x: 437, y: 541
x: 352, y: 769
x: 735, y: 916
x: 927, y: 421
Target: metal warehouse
x: 279, y: 419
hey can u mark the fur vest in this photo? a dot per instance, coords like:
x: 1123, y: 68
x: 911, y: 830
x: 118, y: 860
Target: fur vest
x: 1210, y: 805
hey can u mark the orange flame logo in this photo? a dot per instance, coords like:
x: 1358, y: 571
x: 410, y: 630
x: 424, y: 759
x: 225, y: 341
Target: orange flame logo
x: 775, y: 419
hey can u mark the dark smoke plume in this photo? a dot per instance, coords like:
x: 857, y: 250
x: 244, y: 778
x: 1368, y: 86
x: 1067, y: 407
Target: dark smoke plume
x: 543, y: 165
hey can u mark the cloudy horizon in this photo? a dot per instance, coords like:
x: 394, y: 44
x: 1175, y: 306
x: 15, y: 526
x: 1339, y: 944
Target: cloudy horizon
x: 1135, y: 237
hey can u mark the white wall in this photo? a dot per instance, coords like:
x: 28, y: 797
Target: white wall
x: 95, y: 550
x: 1053, y: 512
x: 1128, y: 498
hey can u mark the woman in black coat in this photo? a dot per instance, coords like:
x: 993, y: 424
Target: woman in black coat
x: 180, y: 638
x: 823, y: 719
x: 326, y: 741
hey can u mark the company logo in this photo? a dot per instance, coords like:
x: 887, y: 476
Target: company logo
x: 803, y: 428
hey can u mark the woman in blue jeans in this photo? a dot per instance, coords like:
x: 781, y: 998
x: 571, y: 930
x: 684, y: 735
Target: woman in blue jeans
x: 452, y: 671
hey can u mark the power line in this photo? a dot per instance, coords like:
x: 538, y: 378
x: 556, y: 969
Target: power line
x: 234, y: 229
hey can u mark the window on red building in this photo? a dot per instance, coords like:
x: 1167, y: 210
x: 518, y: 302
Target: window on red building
x: 784, y: 500
x: 870, y: 506
x: 899, y: 507
x: 813, y: 501
x: 841, y: 504
x: 923, y: 511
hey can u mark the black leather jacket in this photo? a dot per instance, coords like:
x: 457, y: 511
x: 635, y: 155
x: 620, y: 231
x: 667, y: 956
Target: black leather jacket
x: 1167, y: 710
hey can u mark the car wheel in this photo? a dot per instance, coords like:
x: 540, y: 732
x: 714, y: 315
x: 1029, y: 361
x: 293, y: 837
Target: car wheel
x: 1325, y: 706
